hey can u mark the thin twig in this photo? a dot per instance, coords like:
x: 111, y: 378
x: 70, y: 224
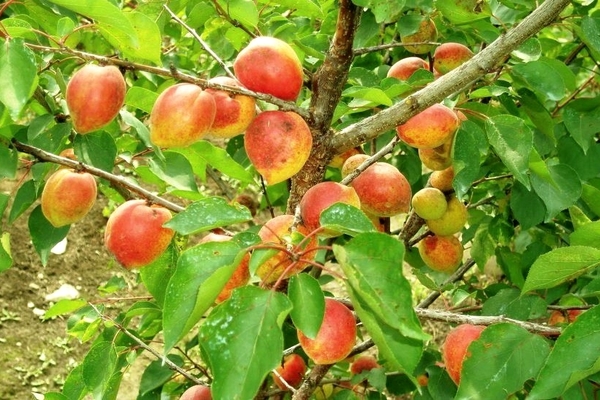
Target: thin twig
x: 456, y: 276
x: 373, y: 49
x: 388, y: 148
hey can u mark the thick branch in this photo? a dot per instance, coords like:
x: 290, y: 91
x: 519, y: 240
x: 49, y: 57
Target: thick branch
x: 453, y: 82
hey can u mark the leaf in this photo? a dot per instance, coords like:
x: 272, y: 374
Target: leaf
x: 43, y: 234
x: 140, y: 128
x: 372, y: 262
x: 373, y: 95
x: 308, y: 302
x: 549, y: 78
x: 581, y: 119
x: 207, y: 214
x: 503, y: 358
x: 345, y: 219
x: 8, y: 162
x: 157, y: 373
x: 512, y: 141
x: 537, y: 113
x: 589, y: 33
x: 244, y: 11
x: 243, y: 341
x: 25, y: 197
x: 561, y: 192
x: 64, y: 306
x: 175, y: 170
x: 591, y: 196
x: 199, y: 277
x: 385, y: 11
x: 308, y: 8
x: 466, y: 156
x: 158, y: 272
x: 18, y: 75
x: 6, y: 260
x: 149, y: 39
x: 526, y: 206
x: 561, y: 265
x: 140, y: 98
x: 573, y: 358
x: 207, y: 153
x: 99, y: 365
x: 510, y: 304
x: 586, y: 235
x: 97, y: 149
x: 463, y: 12
x: 585, y: 164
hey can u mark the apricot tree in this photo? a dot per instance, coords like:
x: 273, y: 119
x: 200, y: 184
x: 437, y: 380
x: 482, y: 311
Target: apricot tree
x: 271, y: 150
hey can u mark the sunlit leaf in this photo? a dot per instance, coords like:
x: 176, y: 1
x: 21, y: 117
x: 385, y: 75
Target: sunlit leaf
x: 18, y: 75
x: 43, y: 234
x: 308, y: 303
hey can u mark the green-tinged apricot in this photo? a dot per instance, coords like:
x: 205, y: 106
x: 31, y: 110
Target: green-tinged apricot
x: 429, y: 203
x: 336, y: 336
x: 443, y: 179
x: 270, y: 65
x: 234, y: 112
x: 404, y: 68
x: 135, y: 234
x: 441, y: 253
x: 383, y: 190
x: 438, y: 158
x: 452, y: 221
x: 449, y: 56
x: 68, y: 196
x: 427, y: 32
x: 455, y: 348
x: 182, y: 115
x: 277, y: 231
x: 94, y: 96
x: 321, y: 196
x: 278, y: 143
x: 430, y: 128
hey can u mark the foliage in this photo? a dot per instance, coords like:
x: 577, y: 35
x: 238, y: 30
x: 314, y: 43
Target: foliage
x: 525, y: 161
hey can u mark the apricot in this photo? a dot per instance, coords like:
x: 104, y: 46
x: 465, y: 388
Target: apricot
x: 383, y: 190
x: 135, y: 234
x: 353, y: 162
x: 270, y: 65
x: 68, y: 196
x: 336, y: 336
x: 291, y: 371
x: 438, y: 158
x: 452, y: 221
x: 558, y: 317
x: 363, y: 363
x: 241, y: 275
x: 427, y: 32
x: 339, y: 159
x: 443, y: 179
x: 441, y: 253
x: 234, y: 112
x: 182, y: 115
x: 278, y: 143
x: 449, y: 56
x: 277, y: 230
x: 197, y: 392
x: 404, y: 68
x: 430, y: 128
x: 321, y: 196
x: 455, y: 348
x: 429, y: 203
x: 94, y: 96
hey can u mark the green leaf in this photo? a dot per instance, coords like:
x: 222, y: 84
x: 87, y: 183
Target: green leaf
x: 372, y: 263
x: 244, y: 11
x: 18, y: 75
x: 549, y: 78
x: 64, y: 306
x: 561, y: 265
x: 526, y: 206
x: 561, y: 192
x: 582, y: 120
x: 99, y: 365
x: 158, y: 272
x: 308, y: 302
x: 589, y: 33
x: 503, y: 358
x: 141, y: 129
x: 44, y: 235
x: 573, y: 358
x: 174, y: 169
x: 8, y: 162
x: 385, y: 11
x: 466, y: 156
x: 373, y: 95
x: 97, y: 149
x: 463, y: 12
x: 346, y: 219
x: 201, y: 273
x: 6, y: 260
x: 149, y: 40
x: 585, y: 164
x: 157, y: 373
x: 307, y: 8
x: 141, y: 98
x: 74, y: 387
x: 509, y: 303
x: 55, y: 396
x: 586, y: 235
x: 537, y: 113
x: 239, y: 366
x: 25, y: 197
x: 206, y: 153
x: 512, y: 141
x: 591, y: 196
x: 207, y: 214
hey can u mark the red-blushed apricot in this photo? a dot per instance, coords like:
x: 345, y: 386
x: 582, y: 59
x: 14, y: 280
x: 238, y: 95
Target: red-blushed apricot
x: 135, y: 234
x: 455, y: 348
x: 441, y: 253
x: 353, y: 162
x: 427, y: 32
x: 452, y: 221
x: 234, y: 112
x: 383, y: 190
x: 68, y: 196
x: 338, y: 160
x: 197, y: 392
x: 291, y: 371
x: 363, y: 363
x: 558, y: 317
x: 94, y: 96
x: 270, y: 65
x: 182, y: 115
x: 449, y: 56
x: 336, y: 336
x: 430, y: 128
x: 277, y: 231
x: 321, y: 196
x: 443, y: 179
x: 241, y: 275
x: 278, y: 143
x: 404, y: 68
x: 429, y: 203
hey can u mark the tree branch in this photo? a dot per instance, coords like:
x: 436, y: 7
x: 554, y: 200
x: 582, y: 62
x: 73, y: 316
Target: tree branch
x: 453, y: 82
